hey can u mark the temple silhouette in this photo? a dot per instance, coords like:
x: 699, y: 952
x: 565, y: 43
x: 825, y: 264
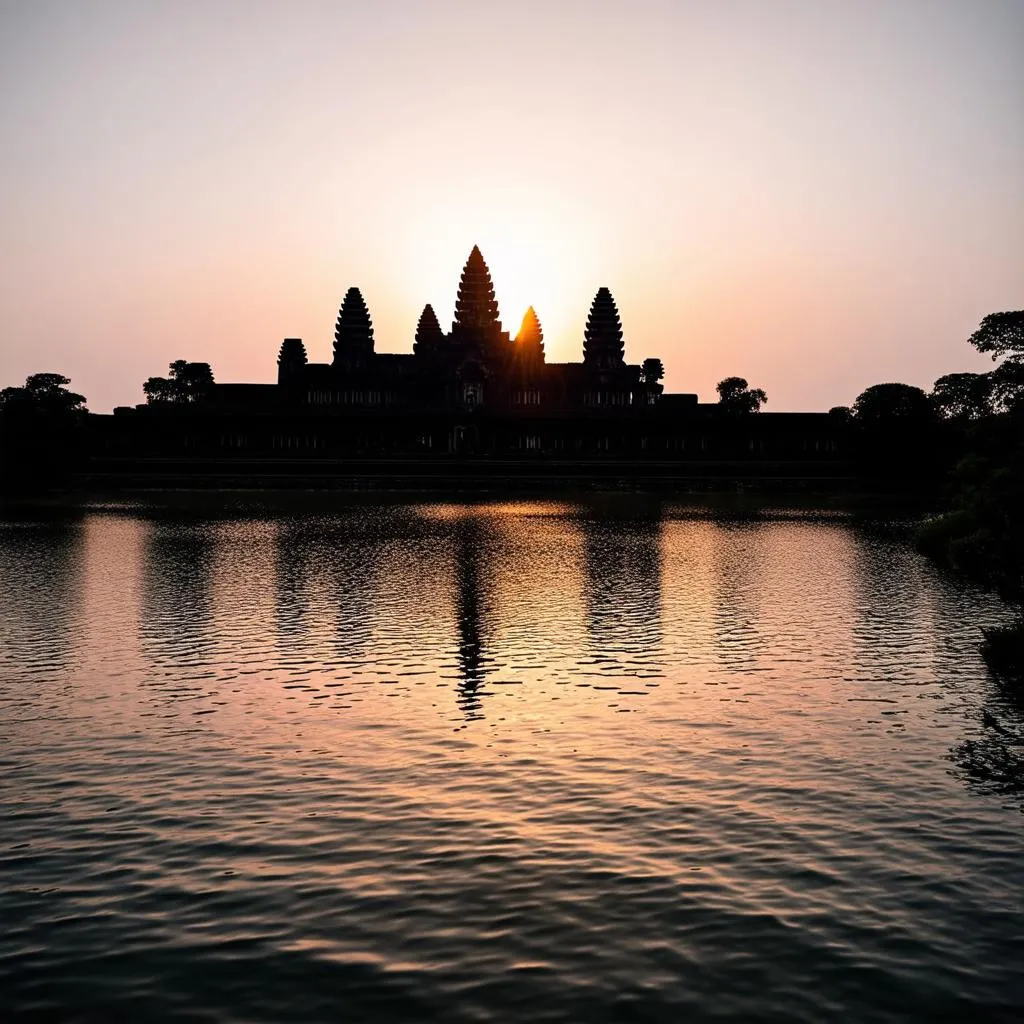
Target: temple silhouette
x: 460, y: 398
x: 476, y: 367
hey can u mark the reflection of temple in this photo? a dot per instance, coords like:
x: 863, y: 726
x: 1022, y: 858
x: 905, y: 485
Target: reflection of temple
x: 326, y: 578
x: 622, y: 591
x: 176, y: 615
x: 41, y: 573
x: 472, y: 607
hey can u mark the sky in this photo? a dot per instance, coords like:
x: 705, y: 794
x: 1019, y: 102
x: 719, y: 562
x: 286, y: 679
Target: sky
x: 817, y: 196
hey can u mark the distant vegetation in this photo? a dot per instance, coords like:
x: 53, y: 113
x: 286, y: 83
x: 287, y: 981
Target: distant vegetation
x: 982, y: 533
x: 963, y: 442
x: 185, y: 383
x: 41, y: 431
x: 736, y: 396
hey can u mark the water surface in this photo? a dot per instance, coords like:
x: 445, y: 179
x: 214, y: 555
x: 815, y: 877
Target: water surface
x: 612, y: 761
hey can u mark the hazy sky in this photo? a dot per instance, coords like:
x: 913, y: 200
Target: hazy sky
x: 814, y: 195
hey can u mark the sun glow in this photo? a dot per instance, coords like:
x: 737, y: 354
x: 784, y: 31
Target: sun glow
x: 539, y: 254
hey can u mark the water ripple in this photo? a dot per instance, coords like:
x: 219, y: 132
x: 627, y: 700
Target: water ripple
x: 483, y: 762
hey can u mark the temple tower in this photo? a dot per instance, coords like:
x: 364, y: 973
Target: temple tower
x: 291, y: 360
x: 429, y: 336
x: 353, y: 333
x: 602, y: 341
x: 475, y: 307
x: 530, y: 339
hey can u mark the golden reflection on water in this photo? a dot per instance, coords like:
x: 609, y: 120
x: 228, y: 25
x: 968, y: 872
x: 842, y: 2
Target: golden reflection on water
x: 482, y: 595
x: 629, y: 740
x: 451, y: 606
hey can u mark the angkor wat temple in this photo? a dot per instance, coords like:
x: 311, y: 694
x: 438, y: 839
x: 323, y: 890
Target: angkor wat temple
x: 476, y: 368
x: 472, y: 394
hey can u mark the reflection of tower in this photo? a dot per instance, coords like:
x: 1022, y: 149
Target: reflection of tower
x: 41, y: 569
x: 292, y: 585
x: 472, y: 610
x: 177, y: 603
x: 350, y: 551
x: 623, y: 588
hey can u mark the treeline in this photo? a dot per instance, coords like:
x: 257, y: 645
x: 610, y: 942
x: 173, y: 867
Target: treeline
x: 42, y: 432
x: 981, y: 533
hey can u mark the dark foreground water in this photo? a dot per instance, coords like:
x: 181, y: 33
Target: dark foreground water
x: 500, y: 762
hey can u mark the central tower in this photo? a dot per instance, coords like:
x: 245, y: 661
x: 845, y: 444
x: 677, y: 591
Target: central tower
x: 476, y: 324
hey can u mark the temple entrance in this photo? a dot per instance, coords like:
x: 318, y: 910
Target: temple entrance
x: 466, y: 440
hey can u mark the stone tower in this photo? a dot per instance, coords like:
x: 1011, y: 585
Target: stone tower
x: 429, y: 336
x: 291, y: 360
x: 477, y: 329
x: 353, y: 333
x: 602, y: 341
x: 530, y: 339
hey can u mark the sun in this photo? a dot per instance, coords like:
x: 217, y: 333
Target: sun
x: 538, y: 255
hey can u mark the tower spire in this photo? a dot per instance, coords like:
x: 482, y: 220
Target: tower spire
x: 353, y: 333
x: 476, y: 308
x: 429, y: 335
x: 530, y: 339
x: 602, y: 340
x: 291, y: 360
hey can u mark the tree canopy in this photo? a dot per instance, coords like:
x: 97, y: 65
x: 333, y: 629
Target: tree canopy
x: 884, y: 404
x: 963, y: 396
x: 1008, y: 385
x: 45, y: 393
x: 736, y: 396
x: 41, y: 431
x: 185, y: 384
x: 1001, y: 334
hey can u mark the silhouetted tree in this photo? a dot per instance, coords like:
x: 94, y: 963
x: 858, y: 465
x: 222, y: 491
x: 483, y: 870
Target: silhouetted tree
x: 602, y: 340
x: 475, y: 306
x: 982, y: 533
x: 41, y: 428
x: 353, y: 333
x: 963, y: 396
x: 736, y: 396
x: 429, y: 336
x: 1001, y: 334
x: 1008, y: 385
x: 530, y: 339
x: 185, y: 384
x: 652, y: 371
x: 841, y: 413
x: 44, y: 394
x: 889, y: 405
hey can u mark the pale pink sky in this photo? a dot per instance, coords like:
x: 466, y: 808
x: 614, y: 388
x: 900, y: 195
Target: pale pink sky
x: 815, y: 195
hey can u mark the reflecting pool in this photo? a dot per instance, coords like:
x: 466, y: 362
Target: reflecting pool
x: 620, y: 760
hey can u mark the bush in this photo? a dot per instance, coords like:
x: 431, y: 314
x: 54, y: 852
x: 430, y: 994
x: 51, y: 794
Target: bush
x: 1003, y: 650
